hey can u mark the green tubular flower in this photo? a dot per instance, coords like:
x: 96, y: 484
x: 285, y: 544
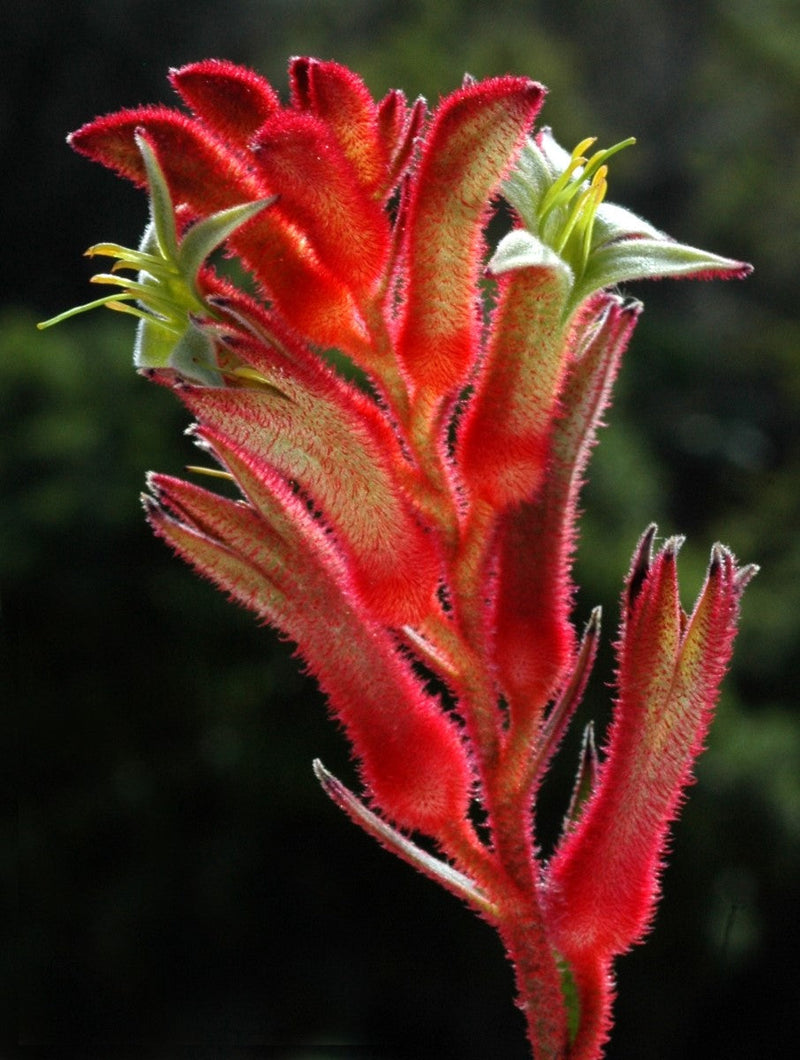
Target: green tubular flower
x: 567, y: 225
x: 164, y: 294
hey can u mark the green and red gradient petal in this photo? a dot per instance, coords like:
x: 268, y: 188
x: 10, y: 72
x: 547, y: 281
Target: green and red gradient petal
x: 604, y: 876
x: 473, y: 141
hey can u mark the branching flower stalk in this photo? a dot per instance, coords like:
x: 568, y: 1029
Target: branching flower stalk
x: 420, y: 521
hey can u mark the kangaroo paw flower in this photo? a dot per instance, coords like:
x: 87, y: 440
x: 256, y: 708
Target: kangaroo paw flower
x: 408, y: 414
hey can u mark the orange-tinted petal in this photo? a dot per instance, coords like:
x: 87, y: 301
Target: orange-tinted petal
x: 343, y: 102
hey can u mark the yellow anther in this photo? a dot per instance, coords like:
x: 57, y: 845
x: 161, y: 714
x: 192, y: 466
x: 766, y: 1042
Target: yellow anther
x: 578, y: 208
x: 563, y: 188
x: 577, y: 193
x: 583, y: 146
x: 599, y: 180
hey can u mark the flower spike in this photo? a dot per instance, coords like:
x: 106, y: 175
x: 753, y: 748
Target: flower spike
x: 407, y: 415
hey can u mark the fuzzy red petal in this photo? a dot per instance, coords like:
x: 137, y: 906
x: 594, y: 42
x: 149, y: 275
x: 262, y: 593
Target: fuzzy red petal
x: 206, y: 176
x: 399, y: 139
x: 232, y: 101
x: 504, y: 441
x: 410, y: 753
x: 319, y: 190
x: 392, y: 117
x: 199, y: 169
x: 474, y: 139
x: 343, y: 102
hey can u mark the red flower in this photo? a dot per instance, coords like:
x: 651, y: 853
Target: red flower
x: 408, y: 502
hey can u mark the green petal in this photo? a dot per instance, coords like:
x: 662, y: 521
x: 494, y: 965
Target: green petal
x: 613, y: 222
x: 521, y: 249
x: 528, y: 183
x: 160, y: 201
x: 646, y: 259
x: 211, y: 232
x: 153, y: 344
x: 194, y: 357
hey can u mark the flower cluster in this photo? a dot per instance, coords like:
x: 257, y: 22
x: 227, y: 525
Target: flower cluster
x: 408, y: 416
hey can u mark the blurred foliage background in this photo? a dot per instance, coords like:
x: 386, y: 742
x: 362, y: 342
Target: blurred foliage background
x: 185, y: 889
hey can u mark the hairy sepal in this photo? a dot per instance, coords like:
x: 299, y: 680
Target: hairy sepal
x: 472, y: 143
x: 603, y: 880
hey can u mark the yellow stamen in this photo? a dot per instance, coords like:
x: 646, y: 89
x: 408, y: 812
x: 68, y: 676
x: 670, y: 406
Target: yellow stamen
x: 577, y: 193
x: 210, y: 472
x: 561, y: 184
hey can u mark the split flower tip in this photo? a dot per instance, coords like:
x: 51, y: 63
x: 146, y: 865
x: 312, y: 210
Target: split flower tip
x: 641, y: 564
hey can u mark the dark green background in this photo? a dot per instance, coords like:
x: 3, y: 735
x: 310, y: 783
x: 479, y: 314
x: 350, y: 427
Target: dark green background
x: 185, y: 888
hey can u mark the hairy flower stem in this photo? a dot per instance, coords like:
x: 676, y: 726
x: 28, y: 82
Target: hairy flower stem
x: 538, y: 980
x: 594, y: 998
